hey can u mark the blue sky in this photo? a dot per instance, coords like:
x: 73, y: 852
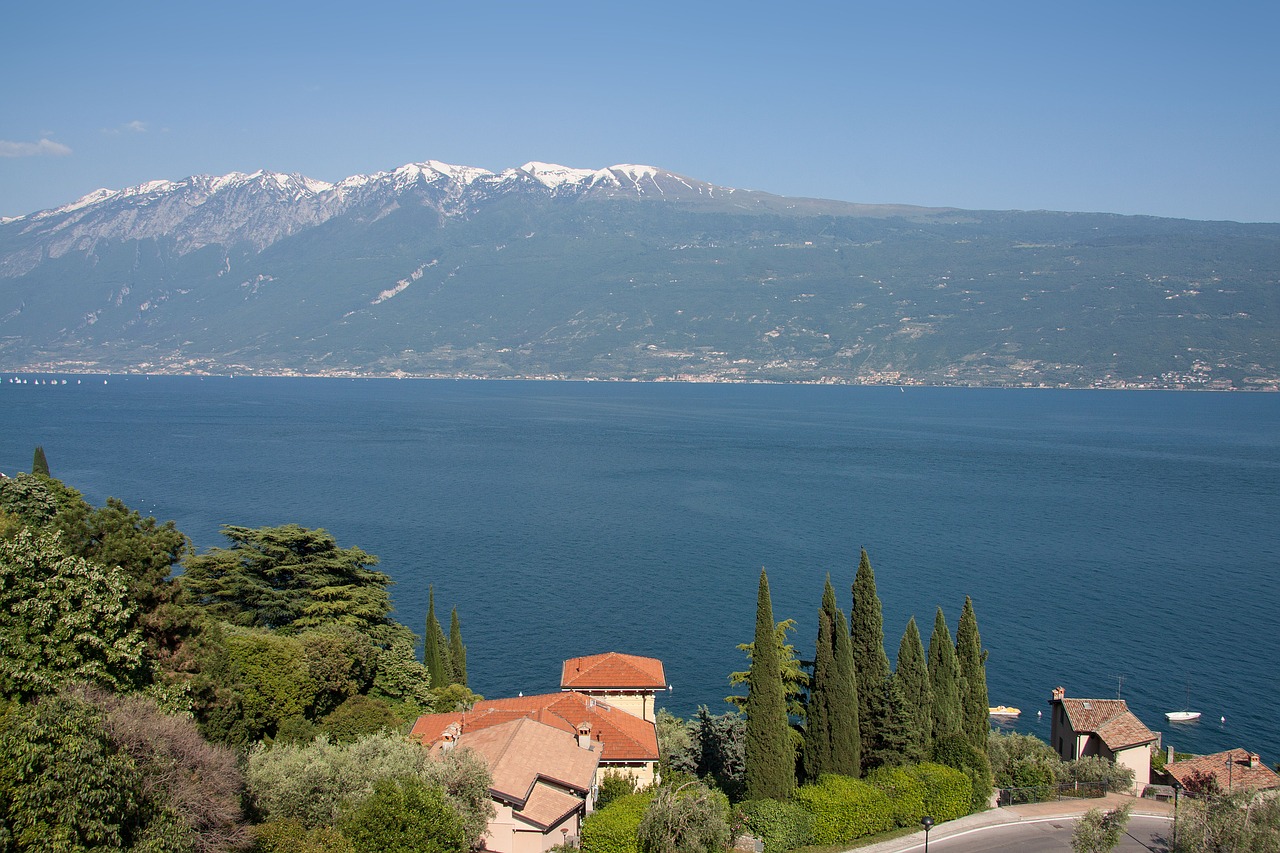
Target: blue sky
x: 1170, y: 109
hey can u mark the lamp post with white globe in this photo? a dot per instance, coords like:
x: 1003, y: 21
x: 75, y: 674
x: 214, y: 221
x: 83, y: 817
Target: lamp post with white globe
x: 927, y: 823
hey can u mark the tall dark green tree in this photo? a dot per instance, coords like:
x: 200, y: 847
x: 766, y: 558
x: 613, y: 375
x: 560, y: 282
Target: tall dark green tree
x: 870, y: 663
x: 973, y: 677
x: 457, y: 651
x: 895, y: 738
x: 832, y: 743
x: 293, y: 578
x: 944, y: 679
x: 435, y: 653
x: 40, y: 465
x: 770, y: 757
x: 913, y: 678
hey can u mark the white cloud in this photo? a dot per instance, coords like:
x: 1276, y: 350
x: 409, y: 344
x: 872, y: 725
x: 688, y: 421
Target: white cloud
x: 136, y: 126
x: 43, y: 148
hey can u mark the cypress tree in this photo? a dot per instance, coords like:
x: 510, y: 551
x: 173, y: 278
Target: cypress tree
x: 770, y: 758
x: 913, y: 678
x: 457, y: 651
x: 435, y: 654
x: 944, y: 678
x: 40, y: 465
x: 832, y: 742
x: 870, y: 663
x: 973, y: 677
x: 894, y: 741
x: 846, y: 730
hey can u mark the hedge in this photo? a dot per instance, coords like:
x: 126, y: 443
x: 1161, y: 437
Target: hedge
x: 613, y: 828
x: 781, y: 826
x: 844, y: 808
x: 947, y: 791
x: 905, y: 793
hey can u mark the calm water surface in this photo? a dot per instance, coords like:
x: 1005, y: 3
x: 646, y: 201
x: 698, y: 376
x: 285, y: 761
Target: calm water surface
x: 1110, y: 540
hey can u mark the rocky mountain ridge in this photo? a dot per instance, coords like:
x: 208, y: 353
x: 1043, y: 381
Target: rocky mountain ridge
x: 628, y: 272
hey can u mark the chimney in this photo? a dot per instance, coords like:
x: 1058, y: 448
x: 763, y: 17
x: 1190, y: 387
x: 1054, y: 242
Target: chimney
x: 1168, y: 754
x: 584, y: 735
x: 1059, y: 693
x: 1254, y: 759
x: 449, y: 737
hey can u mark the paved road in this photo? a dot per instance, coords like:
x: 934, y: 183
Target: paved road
x: 1046, y: 835
x: 1036, y: 828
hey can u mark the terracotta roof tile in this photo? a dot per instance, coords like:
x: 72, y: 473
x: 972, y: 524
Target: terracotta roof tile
x: 1238, y: 776
x: 613, y: 671
x: 1110, y: 719
x: 624, y: 737
x: 521, y: 752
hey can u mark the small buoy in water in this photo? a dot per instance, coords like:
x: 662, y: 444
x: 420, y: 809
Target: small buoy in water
x: 1039, y: 713
x: 1222, y: 719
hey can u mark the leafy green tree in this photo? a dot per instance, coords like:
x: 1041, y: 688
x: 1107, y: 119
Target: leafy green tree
x: 676, y: 747
x: 404, y: 815
x: 973, y: 677
x: 294, y: 578
x: 457, y: 651
x: 833, y: 743
x: 359, y: 716
x: 957, y: 752
x: 342, y: 664
x: 400, y: 677
x: 1099, y: 831
x: 40, y: 465
x: 1093, y: 772
x: 913, y: 677
x: 1242, y: 822
x: 1024, y: 764
x: 944, y: 679
x: 435, y: 653
x: 870, y: 663
x: 464, y: 778
x: 65, y: 786
x: 262, y: 680
x: 613, y: 786
x: 689, y: 819
x: 62, y: 618
x: 290, y: 836
x: 770, y: 756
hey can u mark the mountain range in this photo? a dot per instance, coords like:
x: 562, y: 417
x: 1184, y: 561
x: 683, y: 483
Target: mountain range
x: 629, y: 272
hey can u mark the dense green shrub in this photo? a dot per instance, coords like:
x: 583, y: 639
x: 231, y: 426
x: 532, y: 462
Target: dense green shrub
x: 404, y: 815
x: 781, y: 826
x: 685, y: 819
x: 844, y: 808
x: 957, y: 752
x: 614, y: 786
x: 1023, y: 764
x: 613, y: 829
x: 905, y: 793
x: 358, y: 716
x: 1097, y: 773
x: 947, y: 791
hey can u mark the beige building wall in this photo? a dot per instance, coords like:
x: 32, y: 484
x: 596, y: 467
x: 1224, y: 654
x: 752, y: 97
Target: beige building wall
x: 507, y: 834
x: 1137, y: 758
x: 636, y: 704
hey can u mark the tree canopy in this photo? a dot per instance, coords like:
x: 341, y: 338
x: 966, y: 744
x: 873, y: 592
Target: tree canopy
x: 770, y: 756
x: 294, y: 578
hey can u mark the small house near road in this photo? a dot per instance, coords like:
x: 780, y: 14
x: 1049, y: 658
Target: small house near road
x: 1233, y: 770
x: 1106, y: 727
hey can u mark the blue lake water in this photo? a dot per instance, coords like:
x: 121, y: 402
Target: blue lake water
x: 1110, y: 540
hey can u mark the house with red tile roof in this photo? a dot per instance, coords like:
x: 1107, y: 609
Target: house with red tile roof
x: 1106, y: 727
x: 626, y: 743
x: 543, y: 780
x: 1234, y: 770
x: 629, y: 682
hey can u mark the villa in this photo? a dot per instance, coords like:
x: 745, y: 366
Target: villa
x: 1106, y: 727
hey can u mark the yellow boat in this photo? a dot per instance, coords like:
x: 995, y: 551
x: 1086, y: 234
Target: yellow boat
x: 1004, y: 711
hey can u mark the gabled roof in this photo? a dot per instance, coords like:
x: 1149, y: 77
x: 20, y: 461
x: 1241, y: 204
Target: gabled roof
x: 539, y: 769
x: 613, y: 671
x: 623, y: 737
x: 1110, y: 719
x: 1230, y: 768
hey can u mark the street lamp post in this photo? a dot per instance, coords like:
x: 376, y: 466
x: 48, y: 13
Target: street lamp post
x: 927, y: 823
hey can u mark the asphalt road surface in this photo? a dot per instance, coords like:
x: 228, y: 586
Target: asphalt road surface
x: 1049, y: 835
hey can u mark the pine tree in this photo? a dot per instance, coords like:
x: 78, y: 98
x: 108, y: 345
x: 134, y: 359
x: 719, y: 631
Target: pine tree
x: 770, y: 758
x: 913, y: 678
x: 846, y: 731
x: 457, y: 651
x: 435, y: 652
x: 817, y: 735
x: 944, y: 678
x: 973, y: 677
x: 870, y: 663
x: 40, y: 465
x: 832, y: 740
